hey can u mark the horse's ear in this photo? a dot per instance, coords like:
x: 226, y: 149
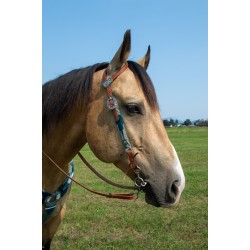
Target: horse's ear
x: 121, y: 55
x: 144, y: 62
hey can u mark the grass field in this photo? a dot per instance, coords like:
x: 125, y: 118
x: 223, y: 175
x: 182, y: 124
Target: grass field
x: 94, y: 222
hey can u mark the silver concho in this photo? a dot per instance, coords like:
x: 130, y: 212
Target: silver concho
x: 114, y: 101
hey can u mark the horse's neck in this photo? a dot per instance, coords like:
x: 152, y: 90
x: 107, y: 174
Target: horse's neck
x: 62, y: 143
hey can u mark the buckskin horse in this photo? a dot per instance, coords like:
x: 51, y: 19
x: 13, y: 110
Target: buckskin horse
x: 112, y: 107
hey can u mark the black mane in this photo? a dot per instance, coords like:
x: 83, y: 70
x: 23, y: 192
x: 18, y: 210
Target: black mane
x: 60, y: 94
x: 145, y: 82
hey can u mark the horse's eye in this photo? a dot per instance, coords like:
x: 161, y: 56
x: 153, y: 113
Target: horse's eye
x: 133, y: 109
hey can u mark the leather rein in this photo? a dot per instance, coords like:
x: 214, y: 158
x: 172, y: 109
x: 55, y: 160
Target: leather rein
x: 112, y: 105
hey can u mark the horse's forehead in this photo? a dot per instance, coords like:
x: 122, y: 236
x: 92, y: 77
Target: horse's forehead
x: 127, y: 84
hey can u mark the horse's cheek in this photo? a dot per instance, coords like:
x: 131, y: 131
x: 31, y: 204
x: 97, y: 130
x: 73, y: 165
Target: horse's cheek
x: 103, y: 141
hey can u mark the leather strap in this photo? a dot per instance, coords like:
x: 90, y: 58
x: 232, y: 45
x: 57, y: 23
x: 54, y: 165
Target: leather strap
x: 106, y: 84
x: 119, y: 72
x: 102, y: 177
x: 113, y: 106
x: 131, y: 196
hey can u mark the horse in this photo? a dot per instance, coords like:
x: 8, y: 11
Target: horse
x: 80, y: 107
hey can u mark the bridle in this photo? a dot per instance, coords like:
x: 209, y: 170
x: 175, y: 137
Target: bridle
x: 112, y: 105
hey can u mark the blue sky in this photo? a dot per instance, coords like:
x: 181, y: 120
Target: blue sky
x: 80, y: 33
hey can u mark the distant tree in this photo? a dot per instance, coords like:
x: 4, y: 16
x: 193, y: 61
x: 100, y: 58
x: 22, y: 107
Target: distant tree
x: 201, y: 123
x: 187, y: 122
x: 166, y: 123
x: 171, y: 121
x: 176, y: 122
x: 198, y: 122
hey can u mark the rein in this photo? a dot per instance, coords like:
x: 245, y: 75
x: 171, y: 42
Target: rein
x: 112, y: 105
x: 118, y: 196
x: 102, y: 177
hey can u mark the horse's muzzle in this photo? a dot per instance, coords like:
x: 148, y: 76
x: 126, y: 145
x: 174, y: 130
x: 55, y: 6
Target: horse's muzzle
x: 168, y: 200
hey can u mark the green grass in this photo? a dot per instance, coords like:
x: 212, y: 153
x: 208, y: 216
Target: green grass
x: 94, y: 222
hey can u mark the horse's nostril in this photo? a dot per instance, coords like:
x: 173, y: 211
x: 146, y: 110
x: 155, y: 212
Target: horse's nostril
x: 172, y: 192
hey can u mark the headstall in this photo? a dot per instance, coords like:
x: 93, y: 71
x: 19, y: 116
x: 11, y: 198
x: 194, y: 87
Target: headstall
x: 112, y: 105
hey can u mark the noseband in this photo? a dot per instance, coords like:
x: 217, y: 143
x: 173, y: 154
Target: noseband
x: 112, y: 105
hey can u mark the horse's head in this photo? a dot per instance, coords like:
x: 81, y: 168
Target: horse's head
x: 157, y: 158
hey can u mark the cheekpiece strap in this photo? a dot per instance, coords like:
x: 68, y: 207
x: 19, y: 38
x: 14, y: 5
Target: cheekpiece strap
x: 107, y: 82
x: 112, y: 105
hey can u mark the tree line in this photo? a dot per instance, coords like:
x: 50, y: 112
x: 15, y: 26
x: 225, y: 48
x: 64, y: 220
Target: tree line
x: 171, y: 122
